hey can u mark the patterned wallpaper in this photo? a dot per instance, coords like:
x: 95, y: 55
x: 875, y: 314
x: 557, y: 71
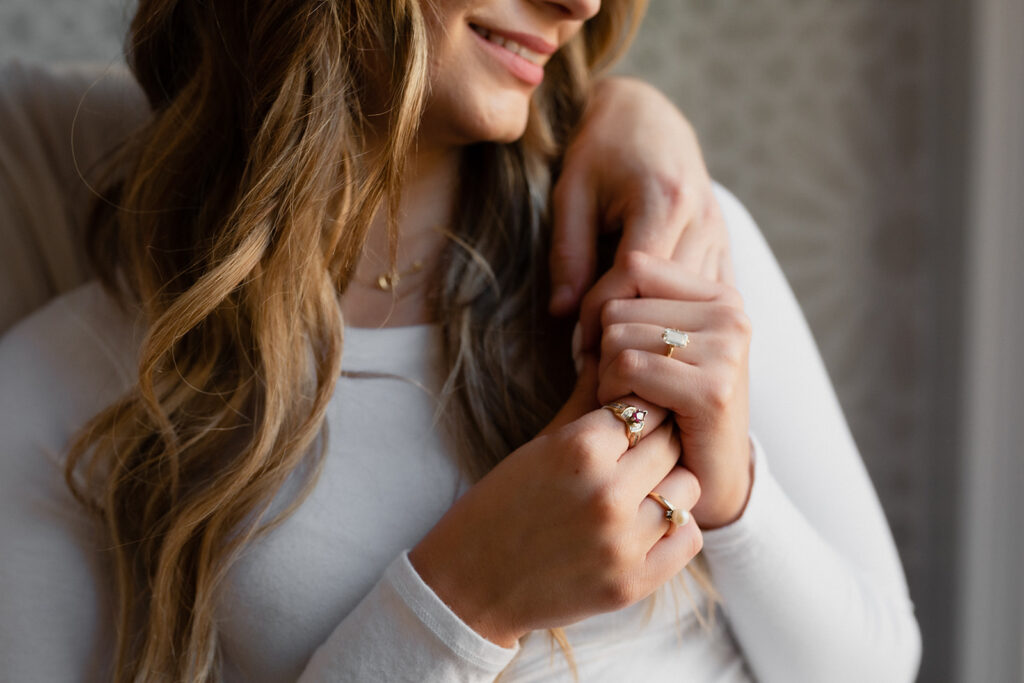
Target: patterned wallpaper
x: 812, y: 113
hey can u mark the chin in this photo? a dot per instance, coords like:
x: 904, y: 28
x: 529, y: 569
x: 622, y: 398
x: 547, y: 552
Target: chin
x: 465, y: 118
x: 501, y: 124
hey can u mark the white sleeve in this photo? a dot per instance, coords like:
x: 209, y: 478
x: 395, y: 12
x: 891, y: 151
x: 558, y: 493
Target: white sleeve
x: 810, y: 578
x: 401, y: 631
x: 57, y: 606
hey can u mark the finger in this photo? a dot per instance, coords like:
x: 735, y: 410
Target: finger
x: 709, y: 266
x: 642, y: 337
x: 691, y: 251
x: 653, y: 225
x: 574, y: 241
x: 654, y: 378
x: 689, y: 315
x: 654, y: 416
x: 726, y: 273
x: 583, y: 399
x: 681, y: 490
x: 700, y: 244
x: 641, y: 468
x: 694, y: 245
x: 672, y: 552
x: 640, y: 275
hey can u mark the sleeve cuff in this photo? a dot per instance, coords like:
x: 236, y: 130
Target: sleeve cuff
x: 722, y: 541
x: 442, y: 621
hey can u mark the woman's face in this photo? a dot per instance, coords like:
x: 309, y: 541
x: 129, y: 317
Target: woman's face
x: 487, y: 58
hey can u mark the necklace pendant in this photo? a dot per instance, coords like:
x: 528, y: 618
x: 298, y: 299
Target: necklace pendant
x: 386, y: 281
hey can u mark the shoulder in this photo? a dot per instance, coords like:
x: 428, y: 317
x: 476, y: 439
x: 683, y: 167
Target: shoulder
x: 34, y: 90
x: 60, y: 366
x: 65, y: 119
x: 65, y: 110
x: 58, y: 127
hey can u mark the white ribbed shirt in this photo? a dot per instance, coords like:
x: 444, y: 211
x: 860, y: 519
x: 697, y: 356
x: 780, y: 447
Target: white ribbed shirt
x: 811, y: 584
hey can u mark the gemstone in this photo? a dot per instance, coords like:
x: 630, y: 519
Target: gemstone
x: 675, y: 338
x: 679, y: 517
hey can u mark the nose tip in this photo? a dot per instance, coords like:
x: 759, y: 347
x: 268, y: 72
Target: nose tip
x: 579, y: 9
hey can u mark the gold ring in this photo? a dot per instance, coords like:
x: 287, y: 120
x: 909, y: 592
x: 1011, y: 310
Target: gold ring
x: 676, y: 517
x: 633, y: 417
x: 674, y: 339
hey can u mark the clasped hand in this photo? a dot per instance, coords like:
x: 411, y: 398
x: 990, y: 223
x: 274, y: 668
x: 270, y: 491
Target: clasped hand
x: 564, y: 528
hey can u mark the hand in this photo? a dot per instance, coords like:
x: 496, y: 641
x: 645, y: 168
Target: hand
x: 562, y: 529
x: 705, y: 384
x: 635, y: 163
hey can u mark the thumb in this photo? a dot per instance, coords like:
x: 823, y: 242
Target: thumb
x: 583, y: 399
x: 573, y: 241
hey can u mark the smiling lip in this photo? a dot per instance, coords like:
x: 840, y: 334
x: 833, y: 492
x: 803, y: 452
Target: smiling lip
x: 522, y: 54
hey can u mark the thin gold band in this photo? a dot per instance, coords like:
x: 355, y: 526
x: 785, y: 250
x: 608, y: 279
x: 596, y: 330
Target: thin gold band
x: 676, y: 517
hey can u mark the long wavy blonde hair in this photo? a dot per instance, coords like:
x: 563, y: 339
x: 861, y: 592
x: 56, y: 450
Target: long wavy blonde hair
x: 234, y: 222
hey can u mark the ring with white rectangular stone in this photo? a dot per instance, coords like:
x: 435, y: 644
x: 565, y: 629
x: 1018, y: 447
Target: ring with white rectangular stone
x: 674, y: 339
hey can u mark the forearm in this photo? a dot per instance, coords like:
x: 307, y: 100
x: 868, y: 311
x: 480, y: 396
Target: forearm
x: 812, y: 580
x: 799, y: 609
x: 401, y: 631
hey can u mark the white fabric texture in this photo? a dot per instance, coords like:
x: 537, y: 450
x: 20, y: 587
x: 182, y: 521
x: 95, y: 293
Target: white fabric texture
x: 811, y: 583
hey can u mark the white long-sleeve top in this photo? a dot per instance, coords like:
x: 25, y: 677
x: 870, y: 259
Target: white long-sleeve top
x: 811, y: 584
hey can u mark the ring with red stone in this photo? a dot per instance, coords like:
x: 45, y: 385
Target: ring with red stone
x: 632, y: 416
x: 674, y: 339
x: 676, y: 517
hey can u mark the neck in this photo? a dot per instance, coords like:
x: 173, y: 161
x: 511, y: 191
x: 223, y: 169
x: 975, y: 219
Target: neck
x: 426, y: 205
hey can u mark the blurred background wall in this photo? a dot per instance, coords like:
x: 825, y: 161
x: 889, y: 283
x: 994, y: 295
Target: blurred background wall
x: 878, y: 144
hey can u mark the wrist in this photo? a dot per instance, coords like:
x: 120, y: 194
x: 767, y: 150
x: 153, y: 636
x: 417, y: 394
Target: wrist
x: 465, y: 595
x: 729, y: 507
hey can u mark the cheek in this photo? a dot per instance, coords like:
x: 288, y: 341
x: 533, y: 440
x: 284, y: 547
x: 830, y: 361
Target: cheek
x: 466, y: 106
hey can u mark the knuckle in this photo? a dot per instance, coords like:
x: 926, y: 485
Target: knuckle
x: 611, y: 312
x: 605, y: 506
x: 613, y: 338
x: 586, y: 448
x: 729, y: 295
x: 718, y: 392
x: 628, y: 363
x: 731, y: 318
x: 739, y: 322
x: 670, y: 187
x: 635, y: 263
x: 691, y: 489
x: 619, y: 592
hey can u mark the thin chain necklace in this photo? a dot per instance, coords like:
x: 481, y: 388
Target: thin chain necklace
x: 389, y: 279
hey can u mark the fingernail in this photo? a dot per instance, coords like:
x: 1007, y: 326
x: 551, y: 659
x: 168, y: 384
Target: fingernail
x: 562, y: 299
x: 577, y: 348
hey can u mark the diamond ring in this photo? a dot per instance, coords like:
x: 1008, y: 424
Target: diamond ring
x: 674, y: 339
x: 632, y: 416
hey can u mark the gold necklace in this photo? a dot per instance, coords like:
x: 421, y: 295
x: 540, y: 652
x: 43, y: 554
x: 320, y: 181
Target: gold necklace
x: 389, y: 279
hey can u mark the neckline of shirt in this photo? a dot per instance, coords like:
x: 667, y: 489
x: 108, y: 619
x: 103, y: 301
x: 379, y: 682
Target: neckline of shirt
x: 401, y: 349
